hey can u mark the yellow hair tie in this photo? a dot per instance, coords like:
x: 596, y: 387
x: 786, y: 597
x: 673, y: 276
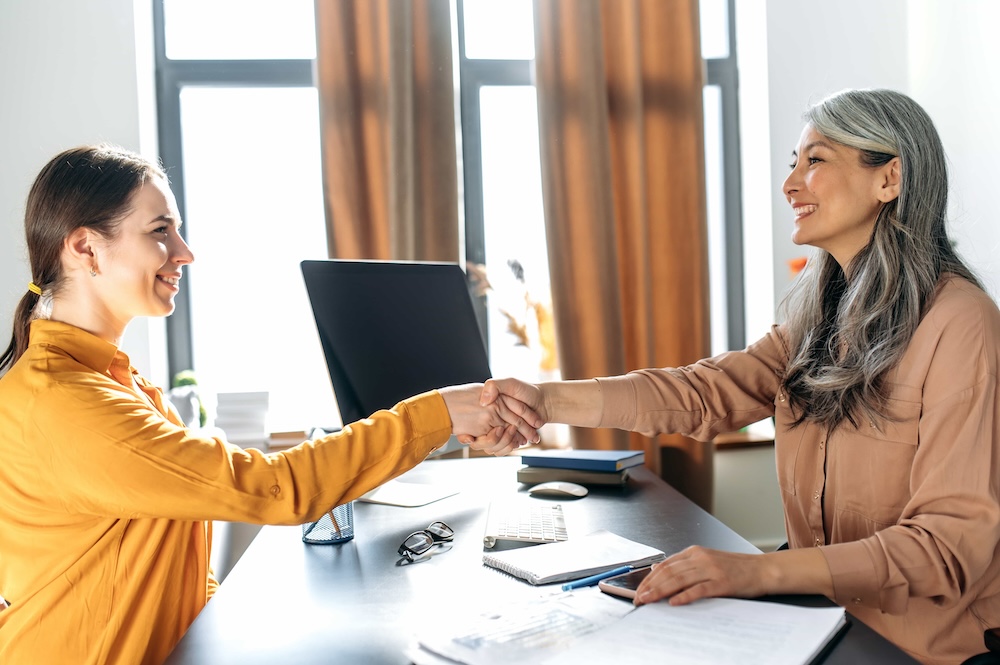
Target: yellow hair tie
x: 34, y: 288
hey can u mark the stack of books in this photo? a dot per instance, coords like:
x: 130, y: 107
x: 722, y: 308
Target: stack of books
x: 585, y: 467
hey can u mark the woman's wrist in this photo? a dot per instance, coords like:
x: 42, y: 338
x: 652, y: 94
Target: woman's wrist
x: 575, y: 403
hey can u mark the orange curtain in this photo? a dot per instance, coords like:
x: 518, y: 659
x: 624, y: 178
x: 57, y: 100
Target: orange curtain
x: 621, y: 128
x: 387, y: 123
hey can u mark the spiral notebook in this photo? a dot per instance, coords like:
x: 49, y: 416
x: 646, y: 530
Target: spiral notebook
x: 572, y: 559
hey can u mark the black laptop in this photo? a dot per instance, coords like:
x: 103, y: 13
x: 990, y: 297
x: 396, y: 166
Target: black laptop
x: 393, y: 329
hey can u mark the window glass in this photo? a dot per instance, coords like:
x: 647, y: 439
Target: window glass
x: 254, y: 210
x: 714, y: 17
x: 520, y: 310
x: 499, y: 30
x: 239, y: 29
x: 715, y: 197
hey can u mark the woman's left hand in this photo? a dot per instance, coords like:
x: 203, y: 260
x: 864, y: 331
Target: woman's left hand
x: 699, y: 572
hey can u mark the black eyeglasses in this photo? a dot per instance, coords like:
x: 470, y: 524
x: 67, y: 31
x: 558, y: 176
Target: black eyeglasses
x: 420, y: 542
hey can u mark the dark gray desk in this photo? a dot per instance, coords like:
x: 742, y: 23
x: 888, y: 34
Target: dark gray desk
x: 286, y: 602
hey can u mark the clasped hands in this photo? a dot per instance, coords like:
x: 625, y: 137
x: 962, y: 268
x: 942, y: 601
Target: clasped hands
x: 486, y: 419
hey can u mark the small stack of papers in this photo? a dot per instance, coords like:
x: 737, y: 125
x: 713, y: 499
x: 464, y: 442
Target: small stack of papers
x: 243, y: 417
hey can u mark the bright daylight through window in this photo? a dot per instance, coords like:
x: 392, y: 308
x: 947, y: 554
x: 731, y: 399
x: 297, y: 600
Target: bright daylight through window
x: 240, y: 136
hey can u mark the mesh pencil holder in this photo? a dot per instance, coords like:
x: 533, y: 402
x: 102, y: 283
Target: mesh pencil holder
x: 335, y: 527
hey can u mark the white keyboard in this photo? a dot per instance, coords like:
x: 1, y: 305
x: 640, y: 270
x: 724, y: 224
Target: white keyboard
x: 524, y: 521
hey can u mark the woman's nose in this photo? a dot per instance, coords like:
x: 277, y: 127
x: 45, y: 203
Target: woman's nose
x: 182, y: 254
x: 791, y: 184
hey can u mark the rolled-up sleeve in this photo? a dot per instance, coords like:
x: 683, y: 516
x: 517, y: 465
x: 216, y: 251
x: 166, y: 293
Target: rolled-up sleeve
x: 719, y: 394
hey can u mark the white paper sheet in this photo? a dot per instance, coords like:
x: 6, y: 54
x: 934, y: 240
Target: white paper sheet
x: 715, y: 631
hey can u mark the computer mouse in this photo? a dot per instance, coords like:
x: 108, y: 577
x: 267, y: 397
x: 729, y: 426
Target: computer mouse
x: 558, y: 488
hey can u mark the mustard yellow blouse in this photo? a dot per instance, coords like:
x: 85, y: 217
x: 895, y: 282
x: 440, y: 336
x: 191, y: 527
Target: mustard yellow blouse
x: 106, y: 502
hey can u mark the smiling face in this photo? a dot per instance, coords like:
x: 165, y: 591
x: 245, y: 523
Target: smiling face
x: 110, y: 281
x: 140, y: 268
x: 835, y: 196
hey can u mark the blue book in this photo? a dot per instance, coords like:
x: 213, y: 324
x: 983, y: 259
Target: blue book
x: 587, y: 460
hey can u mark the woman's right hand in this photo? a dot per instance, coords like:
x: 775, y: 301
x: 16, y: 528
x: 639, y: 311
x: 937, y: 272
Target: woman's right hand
x: 515, y: 390
x: 496, y: 427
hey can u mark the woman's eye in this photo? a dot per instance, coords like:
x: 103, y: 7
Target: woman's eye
x: 161, y: 229
x: 792, y: 166
x: 814, y: 160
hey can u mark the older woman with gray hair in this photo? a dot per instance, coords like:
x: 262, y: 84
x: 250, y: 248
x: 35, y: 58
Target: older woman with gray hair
x: 883, y: 385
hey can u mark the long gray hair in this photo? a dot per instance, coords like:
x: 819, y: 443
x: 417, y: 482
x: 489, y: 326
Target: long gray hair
x: 847, y: 331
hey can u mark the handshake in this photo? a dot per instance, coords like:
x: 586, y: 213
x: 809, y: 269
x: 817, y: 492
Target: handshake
x: 496, y: 417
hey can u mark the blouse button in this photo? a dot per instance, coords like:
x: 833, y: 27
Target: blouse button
x: 817, y: 542
x: 821, y: 444
x: 856, y: 601
x: 275, y: 490
x: 816, y: 496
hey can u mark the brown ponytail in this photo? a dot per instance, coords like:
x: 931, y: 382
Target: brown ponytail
x: 19, y: 341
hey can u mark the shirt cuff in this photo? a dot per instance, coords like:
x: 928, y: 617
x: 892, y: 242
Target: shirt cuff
x: 429, y: 419
x: 859, y: 577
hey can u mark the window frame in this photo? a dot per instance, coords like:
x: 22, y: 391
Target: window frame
x: 171, y: 77
x: 724, y: 73
x: 473, y: 75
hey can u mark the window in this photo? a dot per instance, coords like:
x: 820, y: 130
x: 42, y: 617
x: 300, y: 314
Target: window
x: 501, y: 155
x: 239, y: 136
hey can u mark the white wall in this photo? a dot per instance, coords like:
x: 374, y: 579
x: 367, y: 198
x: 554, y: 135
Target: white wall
x: 812, y: 49
x: 953, y: 56
x: 71, y: 73
x: 943, y: 54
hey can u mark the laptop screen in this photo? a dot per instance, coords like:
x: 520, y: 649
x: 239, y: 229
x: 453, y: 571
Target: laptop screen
x: 392, y: 329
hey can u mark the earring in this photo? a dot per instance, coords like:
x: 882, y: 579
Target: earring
x: 93, y: 271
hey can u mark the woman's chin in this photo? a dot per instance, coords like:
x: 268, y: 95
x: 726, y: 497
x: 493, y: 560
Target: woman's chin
x: 161, y: 309
x: 798, y: 239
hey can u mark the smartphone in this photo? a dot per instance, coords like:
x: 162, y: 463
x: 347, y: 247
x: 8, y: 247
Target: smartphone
x: 624, y: 585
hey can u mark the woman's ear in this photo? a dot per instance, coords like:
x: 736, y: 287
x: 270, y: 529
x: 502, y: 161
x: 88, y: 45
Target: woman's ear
x: 890, y: 176
x: 78, y: 249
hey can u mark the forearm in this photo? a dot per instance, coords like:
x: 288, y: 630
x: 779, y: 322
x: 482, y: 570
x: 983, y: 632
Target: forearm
x: 700, y: 572
x: 577, y: 403
x: 797, y: 571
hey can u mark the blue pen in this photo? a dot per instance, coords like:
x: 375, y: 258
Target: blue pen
x: 594, y: 579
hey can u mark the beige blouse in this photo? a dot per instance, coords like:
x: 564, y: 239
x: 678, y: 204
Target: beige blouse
x: 906, y: 510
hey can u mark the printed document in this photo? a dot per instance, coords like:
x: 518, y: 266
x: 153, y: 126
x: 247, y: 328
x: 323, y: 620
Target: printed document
x: 713, y: 631
x: 526, y: 631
